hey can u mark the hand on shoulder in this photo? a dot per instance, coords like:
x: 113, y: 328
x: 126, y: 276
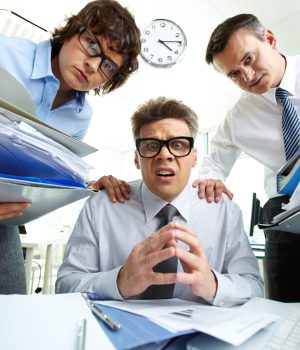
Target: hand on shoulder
x: 211, y: 189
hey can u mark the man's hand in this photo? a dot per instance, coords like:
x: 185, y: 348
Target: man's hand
x: 118, y: 190
x: 211, y: 189
x: 9, y: 210
x: 197, y: 272
x: 137, y: 273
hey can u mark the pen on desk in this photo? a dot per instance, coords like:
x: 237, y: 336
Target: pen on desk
x: 81, y: 332
x: 101, y: 314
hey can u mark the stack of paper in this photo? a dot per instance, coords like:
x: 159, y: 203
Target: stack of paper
x: 22, y: 143
x: 39, y: 164
x: 233, y: 326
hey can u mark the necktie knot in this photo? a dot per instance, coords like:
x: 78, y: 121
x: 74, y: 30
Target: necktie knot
x: 167, y: 214
x: 281, y: 94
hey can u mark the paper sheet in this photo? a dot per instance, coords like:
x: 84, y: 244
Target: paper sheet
x: 228, y: 324
x: 47, y: 322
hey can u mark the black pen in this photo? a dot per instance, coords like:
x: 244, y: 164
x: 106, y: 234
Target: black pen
x: 101, y: 314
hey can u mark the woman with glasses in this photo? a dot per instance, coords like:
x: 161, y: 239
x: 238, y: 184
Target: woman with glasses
x: 95, y: 50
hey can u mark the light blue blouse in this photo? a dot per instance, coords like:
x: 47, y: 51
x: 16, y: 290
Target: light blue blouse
x: 30, y: 63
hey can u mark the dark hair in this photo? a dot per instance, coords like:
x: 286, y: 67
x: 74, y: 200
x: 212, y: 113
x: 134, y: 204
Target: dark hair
x: 224, y: 31
x: 162, y: 108
x: 116, y: 24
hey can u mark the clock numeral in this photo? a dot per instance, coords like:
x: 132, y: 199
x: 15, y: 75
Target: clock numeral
x: 179, y: 44
x: 147, y: 32
x: 143, y: 40
x: 153, y: 26
x: 160, y: 59
x: 177, y: 35
x: 151, y: 56
x: 145, y: 49
x: 169, y: 58
x: 176, y: 52
x: 163, y: 24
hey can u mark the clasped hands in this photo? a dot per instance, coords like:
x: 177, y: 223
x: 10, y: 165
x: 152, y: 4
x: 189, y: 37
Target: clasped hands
x: 137, y: 273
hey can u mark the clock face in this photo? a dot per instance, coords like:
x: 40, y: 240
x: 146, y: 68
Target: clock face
x: 163, y: 43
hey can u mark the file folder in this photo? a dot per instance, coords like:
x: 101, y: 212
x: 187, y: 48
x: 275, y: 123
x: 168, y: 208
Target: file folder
x: 29, y: 173
x: 45, y: 197
x: 288, y: 221
x: 19, y: 162
x: 15, y: 99
x: 136, y: 330
x: 288, y: 176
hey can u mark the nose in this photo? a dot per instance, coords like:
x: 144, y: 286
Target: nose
x: 164, y: 153
x: 247, y: 73
x: 92, y: 64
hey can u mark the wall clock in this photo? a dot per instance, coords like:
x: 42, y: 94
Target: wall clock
x: 163, y: 43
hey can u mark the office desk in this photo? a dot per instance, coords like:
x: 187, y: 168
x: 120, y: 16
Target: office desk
x: 37, y: 240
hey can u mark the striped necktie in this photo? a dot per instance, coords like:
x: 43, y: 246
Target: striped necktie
x: 164, y: 291
x: 290, y: 124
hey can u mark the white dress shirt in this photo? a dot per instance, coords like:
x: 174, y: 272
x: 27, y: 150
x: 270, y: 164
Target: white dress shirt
x: 105, y: 234
x: 253, y: 126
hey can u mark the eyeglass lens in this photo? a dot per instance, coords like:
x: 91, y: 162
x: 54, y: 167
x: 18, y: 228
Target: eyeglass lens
x: 178, y: 147
x: 92, y: 48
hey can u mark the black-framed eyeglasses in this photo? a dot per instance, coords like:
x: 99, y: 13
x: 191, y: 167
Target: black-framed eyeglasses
x: 92, y: 48
x: 178, y: 146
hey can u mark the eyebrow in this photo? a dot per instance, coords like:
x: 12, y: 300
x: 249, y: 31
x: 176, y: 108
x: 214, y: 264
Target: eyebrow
x: 101, y: 47
x: 241, y: 61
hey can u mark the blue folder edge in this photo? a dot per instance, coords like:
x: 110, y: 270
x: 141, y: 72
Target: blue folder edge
x: 59, y: 182
x: 135, y: 330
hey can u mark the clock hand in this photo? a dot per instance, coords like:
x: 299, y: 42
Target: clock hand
x: 162, y: 42
x: 172, y: 41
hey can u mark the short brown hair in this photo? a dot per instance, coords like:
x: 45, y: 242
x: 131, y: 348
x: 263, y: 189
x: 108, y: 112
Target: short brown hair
x: 162, y: 108
x: 224, y: 31
x: 116, y: 24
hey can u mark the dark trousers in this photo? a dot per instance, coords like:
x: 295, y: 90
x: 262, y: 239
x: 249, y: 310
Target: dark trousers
x: 282, y: 257
x: 12, y: 271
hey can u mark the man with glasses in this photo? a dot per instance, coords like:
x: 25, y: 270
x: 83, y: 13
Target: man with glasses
x: 114, y: 250
x: 95, y: 50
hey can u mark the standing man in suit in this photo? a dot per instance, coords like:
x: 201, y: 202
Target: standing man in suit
x: 245, y: 51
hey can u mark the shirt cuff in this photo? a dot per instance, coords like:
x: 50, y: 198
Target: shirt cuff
x: 225, y: 295
x: 106, y: 287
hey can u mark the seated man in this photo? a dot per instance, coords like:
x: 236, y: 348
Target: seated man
x: 115, y: 249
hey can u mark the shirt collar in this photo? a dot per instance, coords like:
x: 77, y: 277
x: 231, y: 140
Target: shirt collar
x: 153, y: 204
x: 42, y: 61
x: 288, y: 81
x: 42, y: 68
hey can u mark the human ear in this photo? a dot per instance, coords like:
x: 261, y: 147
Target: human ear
x: 195, y: 158
x: 270, y: 37
x: 136, y: 160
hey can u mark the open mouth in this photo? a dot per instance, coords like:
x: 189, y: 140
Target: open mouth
x: 165, y: 173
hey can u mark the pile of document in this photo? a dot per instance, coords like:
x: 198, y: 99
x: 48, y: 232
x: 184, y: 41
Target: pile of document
x: 39, y: 164
x: 147, y: 321
x: 26, y: 152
